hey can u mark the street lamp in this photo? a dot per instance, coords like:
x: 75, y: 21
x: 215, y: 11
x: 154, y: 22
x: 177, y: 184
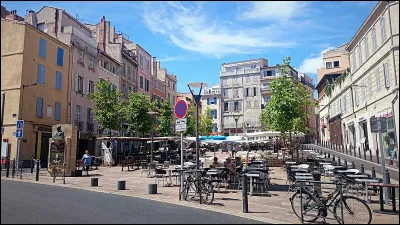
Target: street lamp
x: 153, y: 115
x: 197, y: 98
x: 236, y: 117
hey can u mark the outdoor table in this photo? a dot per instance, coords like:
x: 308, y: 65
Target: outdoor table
x: 303, y: 174
x: 325, y: 163
x: 290, y: 163
x: 251, y: 176
x: 169, y: 181
x: 299, y: 170
x: 382, y: 210
x: 357, y: 176
x: 303, y: 178
x: 366, y: 181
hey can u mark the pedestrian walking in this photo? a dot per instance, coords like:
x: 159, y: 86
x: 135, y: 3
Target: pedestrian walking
x: 86, y: 159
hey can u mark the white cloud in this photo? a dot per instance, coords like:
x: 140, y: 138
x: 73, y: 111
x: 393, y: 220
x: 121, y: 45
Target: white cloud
x: 172, y: 58
x: 191, y: 29
x: 280, y: 11
x: 312, y: 63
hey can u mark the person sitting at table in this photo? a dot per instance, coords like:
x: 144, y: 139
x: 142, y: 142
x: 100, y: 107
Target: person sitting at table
x: 215, y: 163
x: 231, y: 168
x: 238, y: 164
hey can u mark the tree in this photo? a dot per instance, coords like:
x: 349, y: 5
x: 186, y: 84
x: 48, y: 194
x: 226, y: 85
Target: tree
x: 287, y: 109
x: 206, y: 123
x: 191, y: 119
x: 108, y: 105
x: 165, y: 119
x: 137, y: 113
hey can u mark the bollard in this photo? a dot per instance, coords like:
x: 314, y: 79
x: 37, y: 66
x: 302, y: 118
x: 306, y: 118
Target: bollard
x: 377, y: 156
x: 365, y: 154
x: 353, y: 165
x: 94, y: 182
x: 32, y: 164
x: 152, y: 189
x: 37, y: 169
x: 329, y: 155
x: 362, y: 169
x: 373, y: 172
x: 359, y: 152
x: 244, y: 195
x: 387, y: 181
x: 333, y: 158
x: 345, y: 147
x: 370, y: 155
x: 13, y: 168
x: 317, y: 186
x: 345, y: 163
x: 325, y: 154
x: 339, y: 162
x: 8, y: 167
x: 121, y: 185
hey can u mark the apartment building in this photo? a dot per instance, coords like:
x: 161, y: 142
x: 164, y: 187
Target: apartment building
x: 11, y: 15
x: 169, y: 79
x: 116, y: 46
x: 311, y: 122
x: 36, y: 79
x: 211, y: 99
x: 144, y: 70
x: 61, y: 25
x: 240, y: 95
x: 335, y: 63
x: 372, y: 88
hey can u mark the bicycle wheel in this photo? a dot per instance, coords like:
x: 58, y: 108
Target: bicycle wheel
x: 207, y: 193
x: 355, y: 211
x: 310, y: 206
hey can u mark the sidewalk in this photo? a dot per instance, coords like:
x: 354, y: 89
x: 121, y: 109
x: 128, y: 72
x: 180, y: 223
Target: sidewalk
x: 274, y: 208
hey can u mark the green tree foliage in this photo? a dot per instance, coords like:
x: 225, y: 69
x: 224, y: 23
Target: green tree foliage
x: 206, y: 123
x: 287, y: 109
x: 329, y: 87
x: 108, y: 105
x: 191, y: 119
x: 165, y: 118
x: 137, y: 113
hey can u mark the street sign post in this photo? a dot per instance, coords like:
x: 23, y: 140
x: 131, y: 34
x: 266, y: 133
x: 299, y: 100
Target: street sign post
x: 180, y: 111
x: 19, y: 133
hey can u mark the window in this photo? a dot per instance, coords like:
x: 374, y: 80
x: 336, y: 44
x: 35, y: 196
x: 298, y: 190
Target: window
x: 374, y: 44
x: 147, y: 65
x: 147, y: 85
x: 78, y: 113
x: 366, y: 47
x: 173, y: 99
x: 378, y: 80
x: 225, y: 92
x: 60, y: 56
x: 41, y: 73
x: 91, y: 62
x: 329, y: 65
x: 91, y: 87
x: 39, y: 107
x: 254, y: 91
x: 336, y: 64
x: 363, y: 99
x: 41, y: 26
x: 42, y: 48
x: 370, y: 86
x: 236, y: 106
x: 169, y: 83
x: 141, y: 82
x: 356, y: 94
x: 49, y: 111
x: 113, y: 70
x: 57, y: 113
x: 247, y: 92
x: 141, y: 59
x: 169, y: 96
x: 354, y: 63
x: 173, y: 86
x: 386, y: 74
x: 58, y: 81
x: 236, y: 93
x: 360, y: 59
x: 90, y: 116
x: 266, y: 99
x: 105, y: 65
x: 214, y: 113
x: 215, y: 101
x: 208, y: 101
x: 81, y: 56
x: 225, y: 107
x: 154, y: 84
x: 383, y: 30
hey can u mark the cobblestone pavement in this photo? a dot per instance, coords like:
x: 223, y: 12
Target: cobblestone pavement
x: 273, y: 208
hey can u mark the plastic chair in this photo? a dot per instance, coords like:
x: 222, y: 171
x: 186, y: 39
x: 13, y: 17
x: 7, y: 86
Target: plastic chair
x: 160, y: 174
x: 145, y: 168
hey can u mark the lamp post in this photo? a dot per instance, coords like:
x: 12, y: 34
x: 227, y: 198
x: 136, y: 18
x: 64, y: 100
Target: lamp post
x: 153, y: 115
x: 236, y: 117
x: 197, y: 99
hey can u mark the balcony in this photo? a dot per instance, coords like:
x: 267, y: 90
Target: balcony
x: 239, y: 72
x: 267, y: 78
x: 130, y: 54
x: 79, y: 124
x: 266, y: 90
x: 82, y: 40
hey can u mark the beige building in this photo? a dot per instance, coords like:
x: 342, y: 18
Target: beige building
x: 36, y: 79
x: 372, y: 87
x: 211, y: 99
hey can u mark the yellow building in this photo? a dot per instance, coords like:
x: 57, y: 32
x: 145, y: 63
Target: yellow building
x: 36, y: 80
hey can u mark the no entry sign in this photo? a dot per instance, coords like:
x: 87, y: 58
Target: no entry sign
x: 181, y: 109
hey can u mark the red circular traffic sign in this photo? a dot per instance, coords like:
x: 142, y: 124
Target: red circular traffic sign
x: 181, y: 109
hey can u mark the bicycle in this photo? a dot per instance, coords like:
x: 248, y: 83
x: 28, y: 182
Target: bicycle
x: 205, y: 192
x: 312, y: 202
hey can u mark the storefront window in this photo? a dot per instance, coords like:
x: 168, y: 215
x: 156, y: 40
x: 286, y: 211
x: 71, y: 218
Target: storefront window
x: 389, y: 143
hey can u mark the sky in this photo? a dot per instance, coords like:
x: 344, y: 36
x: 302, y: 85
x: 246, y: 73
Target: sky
x: 192, y: 39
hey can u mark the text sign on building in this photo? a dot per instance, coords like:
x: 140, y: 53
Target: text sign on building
x: 19, y: 133
x: 376, y: 126
x: 180, y: 109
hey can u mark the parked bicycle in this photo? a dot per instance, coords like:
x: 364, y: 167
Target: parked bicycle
x: 313, y: 206
x: 191, y: 188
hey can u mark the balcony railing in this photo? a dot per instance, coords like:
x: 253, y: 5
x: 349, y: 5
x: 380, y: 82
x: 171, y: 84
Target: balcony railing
x: 84, y: 41
x: 264, y: 78
x: 266, y: 90
x: 238, y: 72
x: 79, y: 124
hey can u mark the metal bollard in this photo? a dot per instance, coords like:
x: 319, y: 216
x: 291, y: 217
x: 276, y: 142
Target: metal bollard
x: 353, y: 165
x: 8, y: 167
x: 373, y: 172
x: 32, y: 164
x: 13, y: 168
x: 244, y: 194
x: 37, y: 169
x: 345, y: 163
x: 359, y: 152
x: 362, y: 170
x: 329, y: 155
x: 345, y: 147
x: 121, y: 185
x: 377, y: 156
x: 152, y: 189
x: 339, y: 162
x: 94, y: 182
x: 387, y: 178
x: 370, y: 155
x: 333, y: 158
x: 365, y: 154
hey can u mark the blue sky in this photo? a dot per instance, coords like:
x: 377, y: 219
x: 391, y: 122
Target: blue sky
x: 193, y: 39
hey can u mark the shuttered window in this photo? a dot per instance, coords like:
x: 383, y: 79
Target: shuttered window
x: 58, y: 81
x: 41, y: 74
x: 42, y: 48
x: 60, y: 56
x: 386, y: 74
x: 378, y: 80
x: 57, y: 114
x: 39, y: 107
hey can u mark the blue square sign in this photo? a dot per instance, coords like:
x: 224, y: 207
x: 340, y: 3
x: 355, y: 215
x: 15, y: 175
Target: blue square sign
x: 20, y: 124
x: 19, y: 133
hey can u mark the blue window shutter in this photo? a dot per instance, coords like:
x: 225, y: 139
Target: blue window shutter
x: 58, y: 81
x: 60, y: 57
x: 39, y: 107
x: 208, y: 101
x: 215, y: 100
x: 42, y: 48
x: 40, y: 75
x: 57, y: 111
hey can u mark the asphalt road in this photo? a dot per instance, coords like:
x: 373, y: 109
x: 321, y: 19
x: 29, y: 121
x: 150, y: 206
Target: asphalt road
x: 36, y: 203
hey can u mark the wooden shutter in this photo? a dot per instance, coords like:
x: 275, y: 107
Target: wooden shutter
x: 39, y: 107
x: 76, y: 82
x: 84, y: 85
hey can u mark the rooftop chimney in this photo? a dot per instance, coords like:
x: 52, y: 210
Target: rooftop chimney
x: 31, y: 18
